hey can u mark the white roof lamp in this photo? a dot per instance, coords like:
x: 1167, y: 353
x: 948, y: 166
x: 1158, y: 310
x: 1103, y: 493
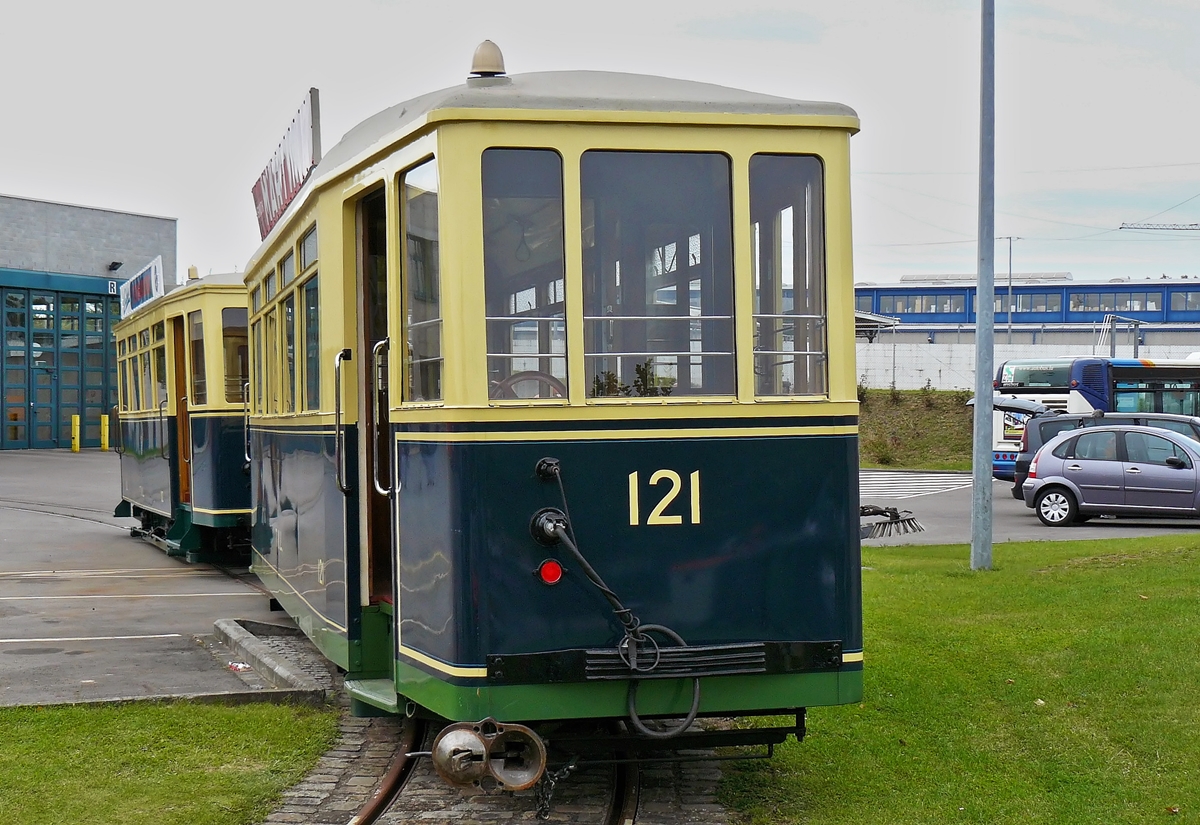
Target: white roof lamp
x: 487, y: 66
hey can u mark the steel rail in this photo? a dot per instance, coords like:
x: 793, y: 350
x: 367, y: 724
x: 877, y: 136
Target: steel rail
x: 396, y: 777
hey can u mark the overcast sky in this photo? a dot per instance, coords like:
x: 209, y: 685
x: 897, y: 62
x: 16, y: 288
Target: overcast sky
x: 158, y: 108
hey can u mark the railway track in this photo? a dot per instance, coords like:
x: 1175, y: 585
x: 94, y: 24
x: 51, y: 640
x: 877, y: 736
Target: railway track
x: 600, y: 794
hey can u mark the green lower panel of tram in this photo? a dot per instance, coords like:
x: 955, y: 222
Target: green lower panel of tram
x: 727, y: 695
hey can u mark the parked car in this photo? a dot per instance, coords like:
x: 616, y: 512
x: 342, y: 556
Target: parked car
x: 1041, y: 427
x: 1123, y: 471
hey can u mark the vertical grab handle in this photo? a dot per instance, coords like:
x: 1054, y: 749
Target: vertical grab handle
x: 246, y: 420
x: 185, y: 437
x: 162, y: 431
x: 379, y: 360
x: 339, y: 433
x: 119, y: 441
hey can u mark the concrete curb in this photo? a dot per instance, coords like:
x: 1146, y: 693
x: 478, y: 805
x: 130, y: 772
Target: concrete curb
x: 278, y: 673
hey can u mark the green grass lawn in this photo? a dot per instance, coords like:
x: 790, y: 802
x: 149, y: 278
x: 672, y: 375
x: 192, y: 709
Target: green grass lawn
x: 1061, y: 687
x: 911, y: 429
x: 162, y: 763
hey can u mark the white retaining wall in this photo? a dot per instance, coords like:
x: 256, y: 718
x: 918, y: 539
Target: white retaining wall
x: 952, y: 366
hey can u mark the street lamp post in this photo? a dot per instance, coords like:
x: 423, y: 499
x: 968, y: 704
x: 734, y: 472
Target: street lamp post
x: 981, y: 452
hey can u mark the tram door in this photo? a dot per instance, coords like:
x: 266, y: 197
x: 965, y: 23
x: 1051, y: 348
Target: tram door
x: 182, y: 424
x: 374, y: 446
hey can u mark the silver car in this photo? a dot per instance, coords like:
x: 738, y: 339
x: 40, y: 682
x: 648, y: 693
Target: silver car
x: 1124, y: 471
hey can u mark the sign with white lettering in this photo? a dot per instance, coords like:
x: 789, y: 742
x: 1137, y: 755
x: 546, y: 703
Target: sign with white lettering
x: 290, y: 166
x: 143, y: 287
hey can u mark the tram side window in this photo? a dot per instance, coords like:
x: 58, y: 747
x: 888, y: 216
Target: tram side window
x: 289, y: 353
x: 196, y: 347
x: 524, y: 274
x: 658, y: 273
x: 235, y: 347
x: 258, y: 367
x: 160, y: 372
x: 147, y: 382
x: 312, y: 342
x: 287, y: 270
x: 137, y: 384
x: 272, y: 364
x: 124, y: 376
x: 788, y: 236
x: 422, y: 284
x: 308, y: 249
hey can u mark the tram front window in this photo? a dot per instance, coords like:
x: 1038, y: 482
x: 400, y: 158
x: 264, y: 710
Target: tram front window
x: 658, y: 273
x: 422, y: 283
x: 524, y: 276
x: 788, y: 237
x: 235, y: 347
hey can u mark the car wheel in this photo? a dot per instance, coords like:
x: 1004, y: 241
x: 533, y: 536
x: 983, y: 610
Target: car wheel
x: 1055, y: 507
x: 1018, y: 493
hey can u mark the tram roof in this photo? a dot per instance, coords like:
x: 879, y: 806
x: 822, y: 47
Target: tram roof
x: 186, y: 290
x: 542, y: 94
x: 580, y: 91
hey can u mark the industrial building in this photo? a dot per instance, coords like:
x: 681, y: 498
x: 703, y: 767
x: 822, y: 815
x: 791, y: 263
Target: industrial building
x: 61, y: 269
x: 1039, y: 308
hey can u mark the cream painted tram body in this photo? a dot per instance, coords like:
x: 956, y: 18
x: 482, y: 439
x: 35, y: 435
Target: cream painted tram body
x: 183, y: 365
x: 647, y: 281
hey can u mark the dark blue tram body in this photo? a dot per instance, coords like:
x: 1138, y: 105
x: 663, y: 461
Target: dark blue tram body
x: 647, y: 281
x: 191, y: 493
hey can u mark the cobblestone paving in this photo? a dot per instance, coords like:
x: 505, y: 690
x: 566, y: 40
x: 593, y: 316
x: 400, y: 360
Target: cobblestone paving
x: 348, y: 775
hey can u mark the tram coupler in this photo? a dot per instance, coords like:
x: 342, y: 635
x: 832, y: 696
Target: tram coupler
x: 545, y: 524
x: 469, y: 754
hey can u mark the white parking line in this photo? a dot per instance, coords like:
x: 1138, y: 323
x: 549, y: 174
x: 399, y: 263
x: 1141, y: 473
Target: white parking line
x: 891, y: 484
x: 120, y: 571
x: 255, y: 593
x: 93, y: 638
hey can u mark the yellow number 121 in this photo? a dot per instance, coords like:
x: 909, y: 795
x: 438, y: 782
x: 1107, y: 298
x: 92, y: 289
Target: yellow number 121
x: 658, y: 514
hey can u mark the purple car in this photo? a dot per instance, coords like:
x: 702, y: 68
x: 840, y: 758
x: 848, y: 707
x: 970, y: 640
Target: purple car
x: 1122, y: 471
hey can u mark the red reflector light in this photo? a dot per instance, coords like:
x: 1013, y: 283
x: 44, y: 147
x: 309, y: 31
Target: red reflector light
x: 550, y: 572
x: 1033, y: 467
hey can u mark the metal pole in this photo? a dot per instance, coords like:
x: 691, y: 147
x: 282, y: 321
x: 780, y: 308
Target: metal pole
x: 981, y: 456
x: 1112, y: 336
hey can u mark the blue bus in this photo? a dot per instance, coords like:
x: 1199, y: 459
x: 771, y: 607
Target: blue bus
x: 1084, y: 384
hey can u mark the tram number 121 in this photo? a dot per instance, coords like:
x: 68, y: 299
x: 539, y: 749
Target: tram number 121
x: 658, y: 514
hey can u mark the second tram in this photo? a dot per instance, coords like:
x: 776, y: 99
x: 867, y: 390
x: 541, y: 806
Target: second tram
x: 183, y: 368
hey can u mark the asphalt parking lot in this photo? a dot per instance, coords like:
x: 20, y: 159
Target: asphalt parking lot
x: 89, y: 613
x: 946, y: 516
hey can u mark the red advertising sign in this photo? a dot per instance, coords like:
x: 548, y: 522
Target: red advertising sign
x: 290, y: 166
x: 143, y: 287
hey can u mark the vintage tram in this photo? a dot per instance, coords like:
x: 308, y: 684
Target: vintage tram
x: 183, y: 372
x: 553, y: 409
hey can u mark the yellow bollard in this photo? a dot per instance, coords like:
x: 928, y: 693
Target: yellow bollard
x: 74, y: 433
x: 104, y: 433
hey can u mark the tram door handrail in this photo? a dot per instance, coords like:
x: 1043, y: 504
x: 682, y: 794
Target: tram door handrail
x: 185, y: 437
x: 246, y: 420
x: 339, y: 432
x: 162, y: 431
x: 379, y: 360
x: 119, y: 441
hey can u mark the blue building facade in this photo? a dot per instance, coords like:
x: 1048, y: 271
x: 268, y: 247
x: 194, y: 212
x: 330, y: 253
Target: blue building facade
x: 61, y: 267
